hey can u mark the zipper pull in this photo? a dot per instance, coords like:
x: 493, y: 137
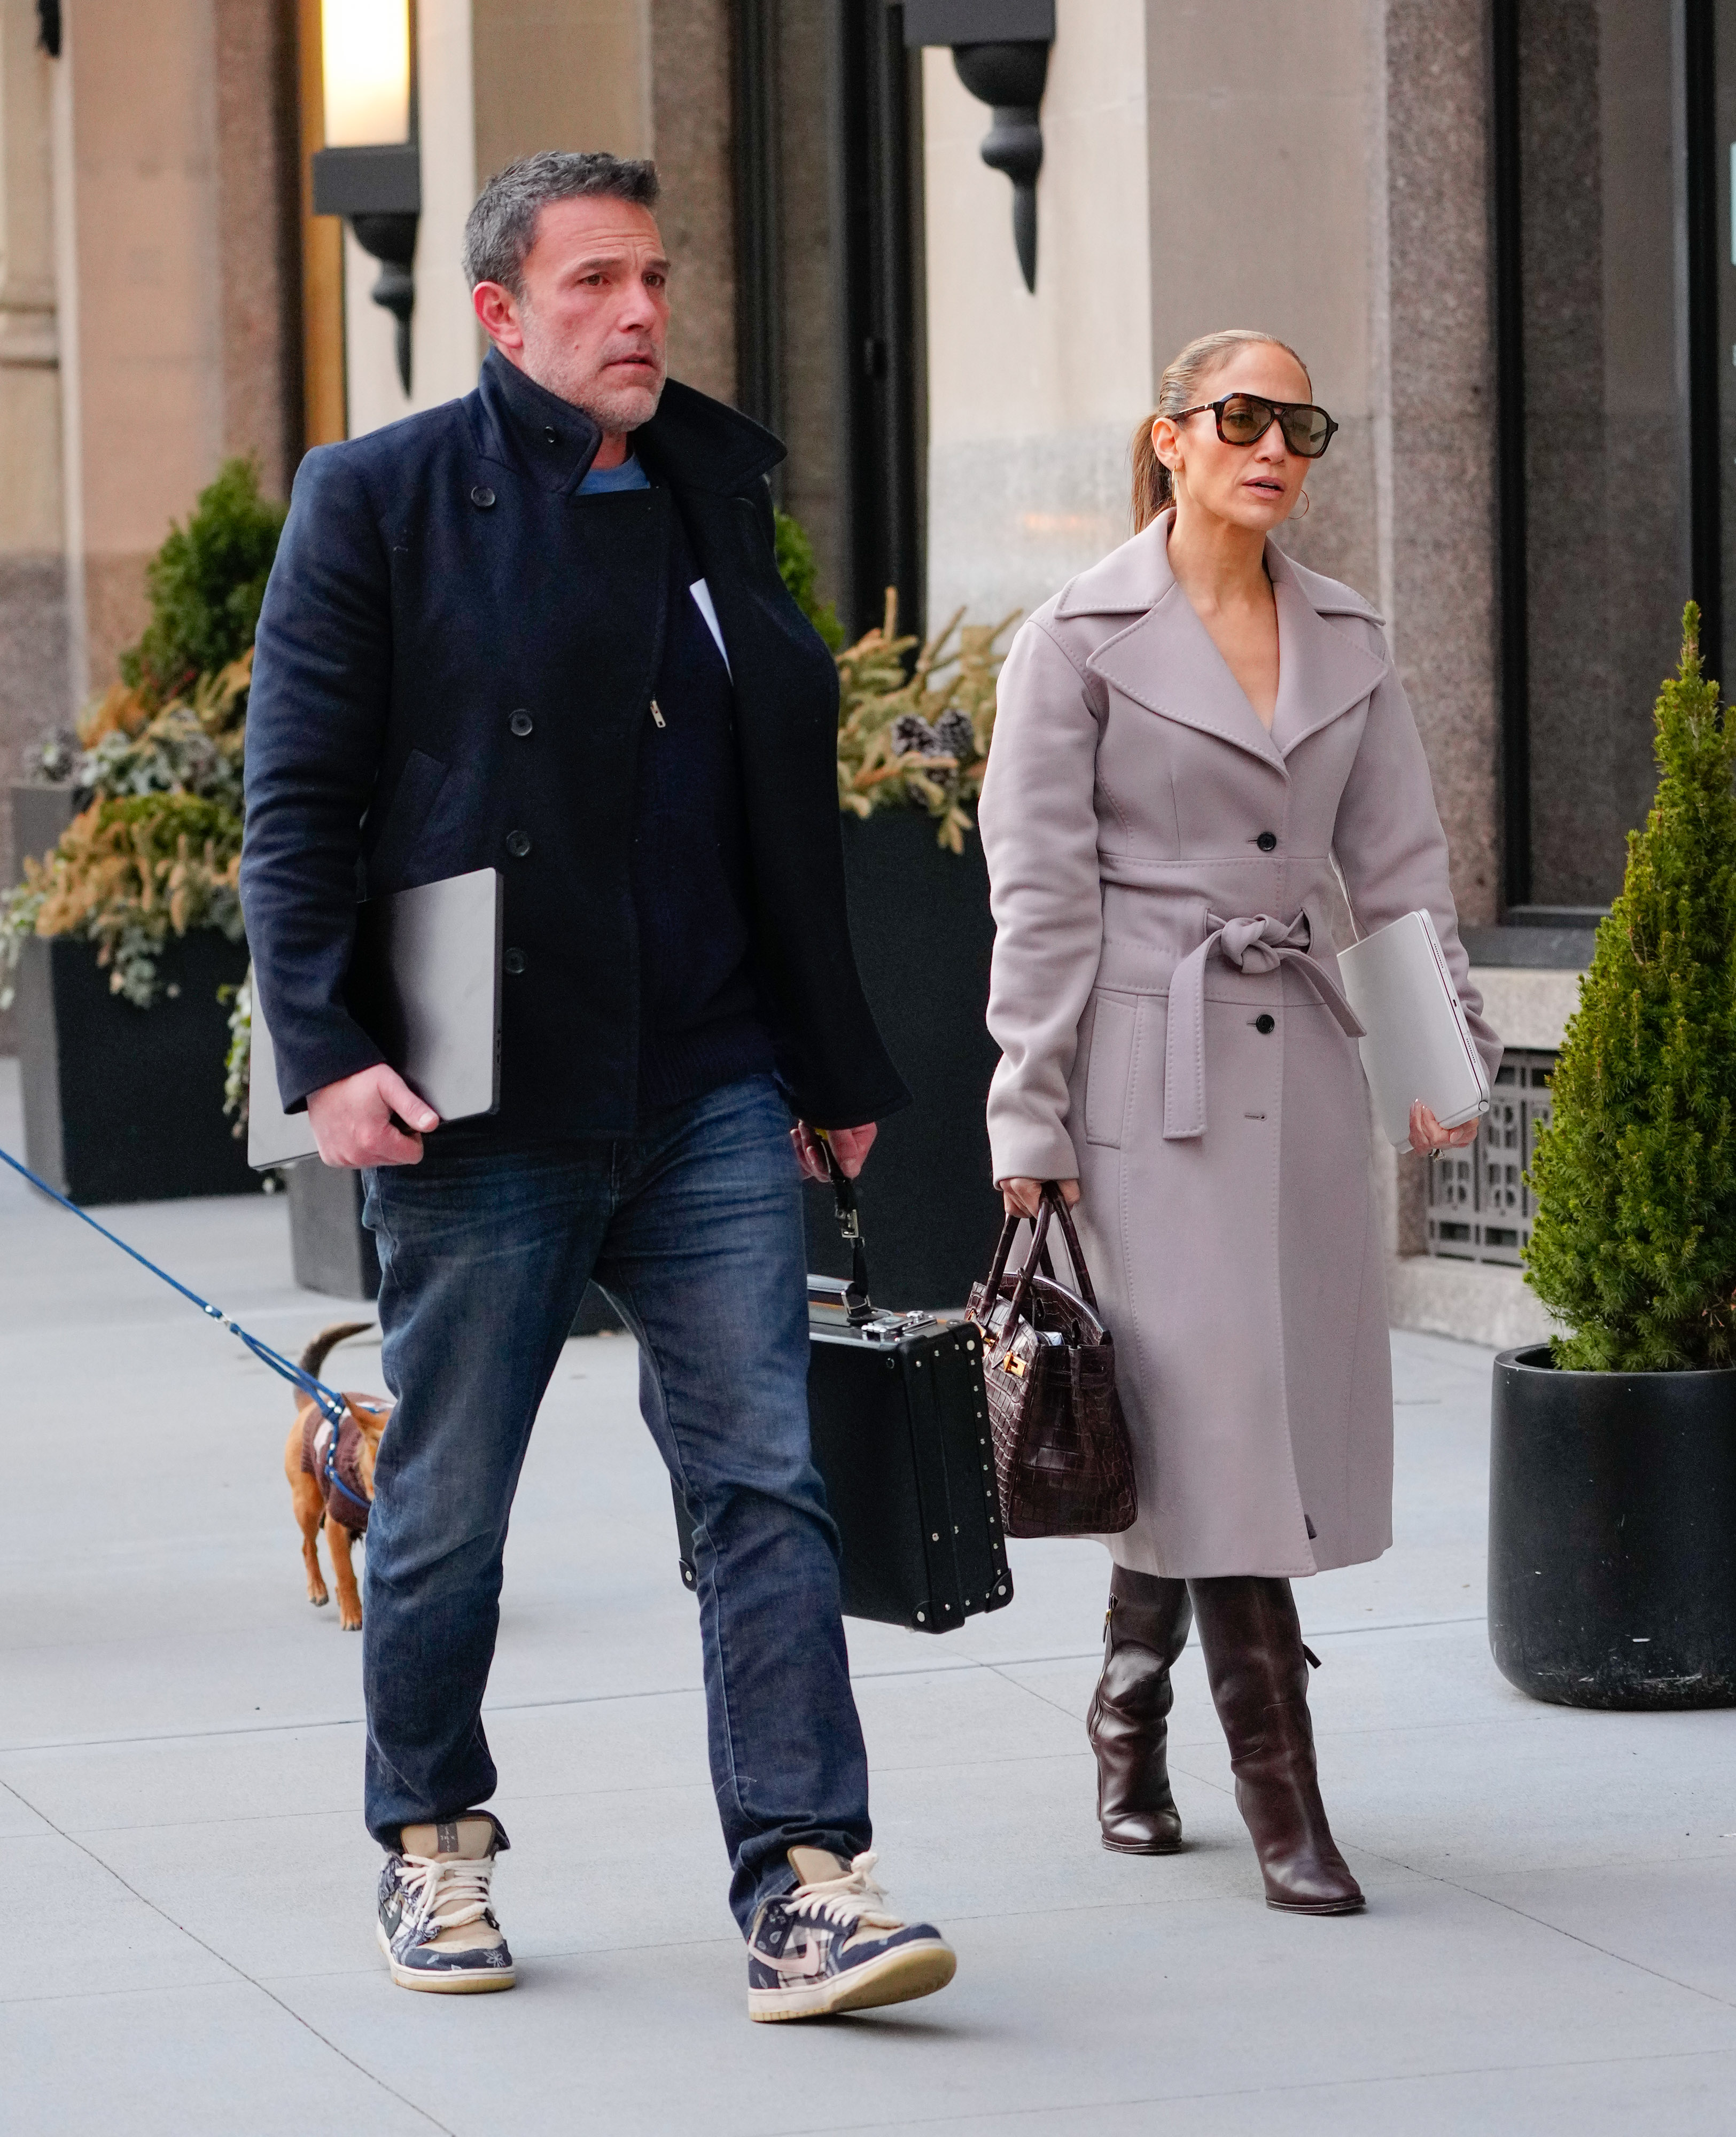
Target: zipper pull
x: 657, y: 714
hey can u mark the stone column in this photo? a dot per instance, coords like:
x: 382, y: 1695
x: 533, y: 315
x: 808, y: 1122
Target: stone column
x: 33, y: 686
x: 174, y: 193
x: 1438, y: 494
x: 1265, y: 176
x: 33, y: 678
x: 1032, y: 398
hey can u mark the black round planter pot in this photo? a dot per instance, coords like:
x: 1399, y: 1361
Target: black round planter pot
x: 1612, y: 1534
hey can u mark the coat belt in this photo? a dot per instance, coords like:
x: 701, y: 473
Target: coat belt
x: 1260, y: 944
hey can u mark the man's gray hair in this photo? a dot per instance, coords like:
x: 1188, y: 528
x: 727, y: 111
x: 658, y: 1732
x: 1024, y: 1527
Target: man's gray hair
x: 501, y: 227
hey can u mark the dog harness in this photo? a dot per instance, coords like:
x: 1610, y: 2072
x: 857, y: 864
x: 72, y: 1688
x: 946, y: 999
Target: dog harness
x: 332, y: 1456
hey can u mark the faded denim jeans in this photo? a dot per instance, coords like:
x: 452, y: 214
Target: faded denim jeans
x: 693, y: 1228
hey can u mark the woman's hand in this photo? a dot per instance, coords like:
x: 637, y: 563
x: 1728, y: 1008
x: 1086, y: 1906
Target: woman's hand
x: 1428, y: 1136
x: 1024, y: 1198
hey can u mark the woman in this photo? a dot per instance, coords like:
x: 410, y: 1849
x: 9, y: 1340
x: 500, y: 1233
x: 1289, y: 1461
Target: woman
x: 1190, y: 736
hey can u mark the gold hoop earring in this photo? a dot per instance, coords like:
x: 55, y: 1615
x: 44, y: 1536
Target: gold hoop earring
x: 1306, y: 506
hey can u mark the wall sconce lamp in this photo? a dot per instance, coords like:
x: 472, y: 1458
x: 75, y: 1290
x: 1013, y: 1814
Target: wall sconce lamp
x: 1001, y: 49
x: 370, y: 170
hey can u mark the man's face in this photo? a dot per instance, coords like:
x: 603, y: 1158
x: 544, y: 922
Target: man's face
x: 592, y: 319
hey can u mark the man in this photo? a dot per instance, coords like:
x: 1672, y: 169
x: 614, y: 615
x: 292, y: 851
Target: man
x: 541, y: 629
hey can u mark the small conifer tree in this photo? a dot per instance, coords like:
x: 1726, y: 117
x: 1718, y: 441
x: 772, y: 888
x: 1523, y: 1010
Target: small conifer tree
x: 206, y: 585
x: 1634, y: 1245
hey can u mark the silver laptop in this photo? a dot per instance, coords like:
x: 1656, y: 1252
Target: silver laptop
x: 424, y: 984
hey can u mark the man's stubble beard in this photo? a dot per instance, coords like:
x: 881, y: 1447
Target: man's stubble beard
x: 616, y: 409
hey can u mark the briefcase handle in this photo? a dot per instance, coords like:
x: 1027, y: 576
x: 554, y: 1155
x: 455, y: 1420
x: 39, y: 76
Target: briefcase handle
x: 855, y: 1301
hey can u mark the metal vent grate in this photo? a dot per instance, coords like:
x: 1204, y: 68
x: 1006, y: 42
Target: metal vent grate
x: 1478, y: 1207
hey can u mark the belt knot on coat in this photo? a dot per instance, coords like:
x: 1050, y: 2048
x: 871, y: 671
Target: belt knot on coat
x: 1258, y: 943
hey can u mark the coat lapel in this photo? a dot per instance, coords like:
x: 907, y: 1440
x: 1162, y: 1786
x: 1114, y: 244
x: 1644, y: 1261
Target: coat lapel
x: 1322, y: 670
x: 1166, y: 661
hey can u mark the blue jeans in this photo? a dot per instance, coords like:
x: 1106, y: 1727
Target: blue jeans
x: 693, y: 1227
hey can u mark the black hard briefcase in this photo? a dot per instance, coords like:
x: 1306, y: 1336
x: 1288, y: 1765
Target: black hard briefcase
x: 899, y: 1424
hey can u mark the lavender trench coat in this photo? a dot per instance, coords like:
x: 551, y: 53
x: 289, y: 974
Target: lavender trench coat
x: 1162, y: 993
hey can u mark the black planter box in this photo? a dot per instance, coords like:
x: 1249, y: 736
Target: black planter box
x: 1612, y: 1534
x: 920, y: 921
x: 123, y: 1104
x: 330, y: 1249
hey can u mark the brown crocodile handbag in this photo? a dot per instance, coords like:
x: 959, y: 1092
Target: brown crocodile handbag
x: 1063, y: 1460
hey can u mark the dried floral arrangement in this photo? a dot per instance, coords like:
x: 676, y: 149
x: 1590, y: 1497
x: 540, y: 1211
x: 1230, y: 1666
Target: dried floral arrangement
x: 918, y: 737
x: 156, y: 851
x: 130, y: 873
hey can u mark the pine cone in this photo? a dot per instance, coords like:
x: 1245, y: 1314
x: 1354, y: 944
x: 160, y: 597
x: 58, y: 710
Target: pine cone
x: 956, y: 736
x: 912, y: 735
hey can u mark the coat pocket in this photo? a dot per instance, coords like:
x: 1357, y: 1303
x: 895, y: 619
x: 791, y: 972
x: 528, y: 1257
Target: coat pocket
x: 1110, y: 1070
x: 412, y: 802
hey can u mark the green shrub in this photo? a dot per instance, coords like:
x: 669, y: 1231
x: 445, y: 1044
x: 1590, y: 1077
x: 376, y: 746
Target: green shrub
x: 206, y: 584
x: 1634, y: 1246
x: 797, y: 568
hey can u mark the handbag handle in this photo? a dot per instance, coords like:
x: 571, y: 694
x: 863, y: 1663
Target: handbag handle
x: 1027, y: 1275
x: 1056, y: 1200
x: 1053, y: 1200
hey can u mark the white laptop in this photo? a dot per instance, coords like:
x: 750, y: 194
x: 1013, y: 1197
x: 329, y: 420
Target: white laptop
x: 424, y: 984
x: 1418, y: 1044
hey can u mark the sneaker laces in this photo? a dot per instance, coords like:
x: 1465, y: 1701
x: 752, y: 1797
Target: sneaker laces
x: 447, y: 1892
x: 852, y: 1898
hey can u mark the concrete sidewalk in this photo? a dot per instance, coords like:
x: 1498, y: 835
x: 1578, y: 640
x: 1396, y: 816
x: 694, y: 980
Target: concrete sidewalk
x: 1551, y: 1939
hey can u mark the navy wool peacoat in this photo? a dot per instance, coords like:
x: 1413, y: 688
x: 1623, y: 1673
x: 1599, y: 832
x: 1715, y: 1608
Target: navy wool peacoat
x: 455, y: 667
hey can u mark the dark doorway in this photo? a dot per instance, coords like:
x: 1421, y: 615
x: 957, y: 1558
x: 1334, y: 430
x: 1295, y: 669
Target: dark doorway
x: 828, y: 176
x: 1607, y: 214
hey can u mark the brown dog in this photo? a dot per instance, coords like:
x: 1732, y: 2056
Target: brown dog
x: 331, y: 1476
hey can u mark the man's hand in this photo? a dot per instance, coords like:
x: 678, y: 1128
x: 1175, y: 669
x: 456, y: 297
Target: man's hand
x: 1024, y: 1198
x: 850, y: 1145
x: 353, y: 1124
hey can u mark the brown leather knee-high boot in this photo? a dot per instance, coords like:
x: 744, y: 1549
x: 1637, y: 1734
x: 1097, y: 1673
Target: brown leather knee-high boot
x: 1129, y: 1726
x: 1258, y: 1670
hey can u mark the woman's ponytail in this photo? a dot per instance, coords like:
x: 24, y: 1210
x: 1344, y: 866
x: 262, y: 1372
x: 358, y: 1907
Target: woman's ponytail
x: 1154, y: 484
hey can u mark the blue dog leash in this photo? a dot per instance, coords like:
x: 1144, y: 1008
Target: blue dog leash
x: 331, y: 1403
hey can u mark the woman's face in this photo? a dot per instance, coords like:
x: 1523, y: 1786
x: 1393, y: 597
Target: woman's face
x: 1254, y: 486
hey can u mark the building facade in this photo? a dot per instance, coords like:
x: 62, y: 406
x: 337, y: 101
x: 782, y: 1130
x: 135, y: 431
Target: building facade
x: 1499, y: 231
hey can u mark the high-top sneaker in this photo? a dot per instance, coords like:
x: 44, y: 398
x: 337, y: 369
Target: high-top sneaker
x: 436, y: 1922
x: 833, y: 1944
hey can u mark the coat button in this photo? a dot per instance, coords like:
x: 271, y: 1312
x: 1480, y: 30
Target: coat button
x: 518, y: 844
x: 482, y: 497
x: 1263, y: 1023
x: 551, y: 436
x: 1266, y: 841
x: 514, y: 961
x: 521, y: 723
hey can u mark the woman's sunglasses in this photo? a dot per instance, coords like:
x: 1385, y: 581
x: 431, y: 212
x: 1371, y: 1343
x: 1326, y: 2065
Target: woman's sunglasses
x: 1243, y: 419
